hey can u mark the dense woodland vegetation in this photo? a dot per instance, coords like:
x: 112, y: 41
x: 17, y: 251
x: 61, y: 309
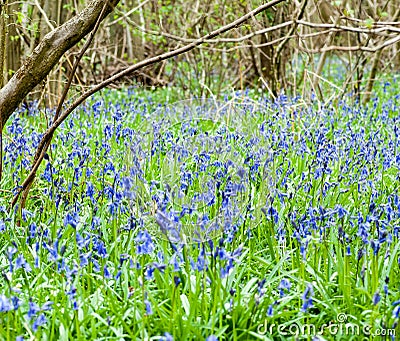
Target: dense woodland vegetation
x: 204, y: 170
x: 270, y: 49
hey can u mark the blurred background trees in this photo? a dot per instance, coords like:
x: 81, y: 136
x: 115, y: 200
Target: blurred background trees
x: 284, y: 48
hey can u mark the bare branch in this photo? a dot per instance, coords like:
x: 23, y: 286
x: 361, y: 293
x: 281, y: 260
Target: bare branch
x: 354, y: 48
x: 349, y: 28
x: 212, y: 41
x: 126, y: 15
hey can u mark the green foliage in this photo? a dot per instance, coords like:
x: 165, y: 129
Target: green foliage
x: 97, y: 296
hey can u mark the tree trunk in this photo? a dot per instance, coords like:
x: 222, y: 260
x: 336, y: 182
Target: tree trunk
x: 13, y: 42
x: 47, y: 54
x: 3, y: 38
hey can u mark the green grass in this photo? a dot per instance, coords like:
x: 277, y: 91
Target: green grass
x: 265, y: 159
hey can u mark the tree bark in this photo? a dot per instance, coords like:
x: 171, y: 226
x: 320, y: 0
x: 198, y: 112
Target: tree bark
x: 13, y: 43
x: 3, y: 37
x: 47, y: 54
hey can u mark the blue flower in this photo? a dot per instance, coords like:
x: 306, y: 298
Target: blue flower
x: 47, y: 306
x: 212, y: 338
x: 106, y: 272
x: 167, y: 337
x: 33, y: 309
x: 341, y: 212
x: 40, y: 321
x: 376, y: 298
x: 260, y: 287
x: 10, y: 254
x: 144, y: 243
x: 72, y: 297
x: 2, y: 226
x: 72, y: 220
x: 177, y: 280
x: 396, y: 310
x: 15, y: 302
x: 147, y: 304
x: 20, y: 262
x: 5, y: 304
x: 90, y: 191
x: 149, y: 273
x: 270, y: 310
x: 284, y: 285
x: 307, y: 298
x: 32, y: 231
x: 48, y: 173
x: 100, y: 248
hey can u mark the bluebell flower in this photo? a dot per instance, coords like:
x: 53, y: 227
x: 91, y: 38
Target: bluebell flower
x: 375, y: 245
x: 15, y: 302
x: 307, y: 298
x: 270, y: 310
x: 48, y: 173
x: 212, y: 338
x: 89, y: 172
x: 53, y: 251
x: 2, y: 226
x: 109, y: 167
x: 341, y: 212
x: 40, y: 321
x: 33, y: 309
x: 386, y: 289
x: 96, y: 265
x: 201, y: 263
x: 376, y: 298
x: 106, y: 272
x: 84, y: 259
x: 5, y: 304
x: 122, y: 258
x: 303, y: 250
x: 241, y: 172
x: 100, y: 248
x: 127, y: 186
x: 20, y: 262
x: 284, y: 285
x: 47, y: 306
x: 71, y: 219
x: 167, y: 337
x: 363, y: 232
x: 147, y: 304
x: 177, y: 280
x: 396, y: 309
x: 149, y: 272
x: 144, y: 243
x: 26, y: 214
x: 37, y: 246
x: 11, y: 251
x: 260, y: 287
x: 72, y: 297
x: 32, y: 231
x: 271, y: 212
x: 90, y: 191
